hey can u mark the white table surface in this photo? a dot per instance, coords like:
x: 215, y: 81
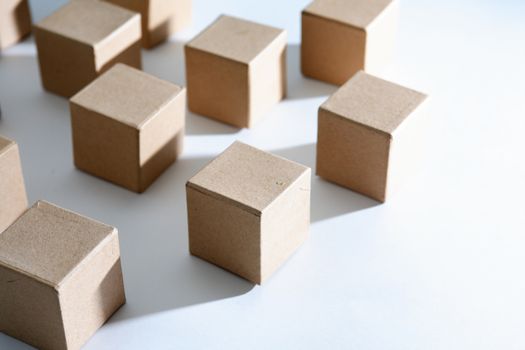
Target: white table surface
x: 440, y: 266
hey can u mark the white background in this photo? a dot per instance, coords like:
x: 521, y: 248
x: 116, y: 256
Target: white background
x: 440, y: 266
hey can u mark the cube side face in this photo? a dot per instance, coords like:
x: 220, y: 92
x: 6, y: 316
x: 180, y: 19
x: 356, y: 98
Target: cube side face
x: 165, y: 17
x: 92, y: 294
x: 30, y: 311
x: 161, y: 140
x: 267, y: 79
x: 224, y: 234
x: 105, y: 148
x: 220, y: 93
x: 408, y: 150
x: 64, y: 74
x: 331, y: 51
x: 140, y: 6
x: 123, y: 46
x: 15, y: 22
x: 13, y: 198
x: 285, y: 225
x: 352, y: 155
x: 381, y: 40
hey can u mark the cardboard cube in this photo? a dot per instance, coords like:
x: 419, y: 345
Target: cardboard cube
x: 60, y: 277
x: 160, y: 18
x: 128, y: 127
x: 341, y: 37
x: 13, y: 199
x: 248, y: 211
x: 370, y: 135
x: 236, y: 70
x: 82, y: 40
x: 15, y: 21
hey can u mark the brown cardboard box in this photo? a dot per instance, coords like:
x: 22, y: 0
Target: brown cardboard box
x: 15, y: 21
x: 82, y: 40
x: 236, y: 70
x: 341, y: 37
x: 13, y: 199
x: 248, y: 211
x: 128, y: 126
x: 370, y: 135
x: 60, y: 277
x: 160, y: 18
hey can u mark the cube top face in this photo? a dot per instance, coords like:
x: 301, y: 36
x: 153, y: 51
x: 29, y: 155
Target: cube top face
x: 235, y: 39
x: 374, y: 103
x: 48, y: 242
x: 5, y: 144
x: 249, y: 177
x: 89, y: 22
x: 356, y: 13
x: 127, y: 95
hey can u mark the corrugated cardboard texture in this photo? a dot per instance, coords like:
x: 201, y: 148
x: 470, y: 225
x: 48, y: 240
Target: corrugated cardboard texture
x: 160, y: 18
x: 356, y: 134
x: 15, y: 21
x: 248, y: 211
x: 248, y: 74
x: 60, y: 277
x: 128, y: 127
x: 13, y: 199
x: 341, y: 37
x: 94, y: 34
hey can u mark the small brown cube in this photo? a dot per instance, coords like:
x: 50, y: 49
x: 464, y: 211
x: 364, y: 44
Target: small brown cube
x: 248, y: 211
x: 128, y: 127
x: 60, y: 277
x: 370, y: 135
x: 82, y: 40
x: 341, y: 37
x: 236, y: 71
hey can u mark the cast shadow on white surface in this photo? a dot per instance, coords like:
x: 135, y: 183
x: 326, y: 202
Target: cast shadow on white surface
x: 328, y: 200
x: 159, y: 273
x: 8, y: 343
x: 166, y: 61
x: 300, y: 87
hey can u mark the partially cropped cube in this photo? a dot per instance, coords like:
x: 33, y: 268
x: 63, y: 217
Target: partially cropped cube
x: 371, y: 135
x: 342, y: 37
x: 82, y: 40
x: 15, y: 22
x: 236, y: 71
x: 160, y: 18
x: 60, y: 277
x: 128, y: 127
x: 13, y: 199
x: 248, y: 211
